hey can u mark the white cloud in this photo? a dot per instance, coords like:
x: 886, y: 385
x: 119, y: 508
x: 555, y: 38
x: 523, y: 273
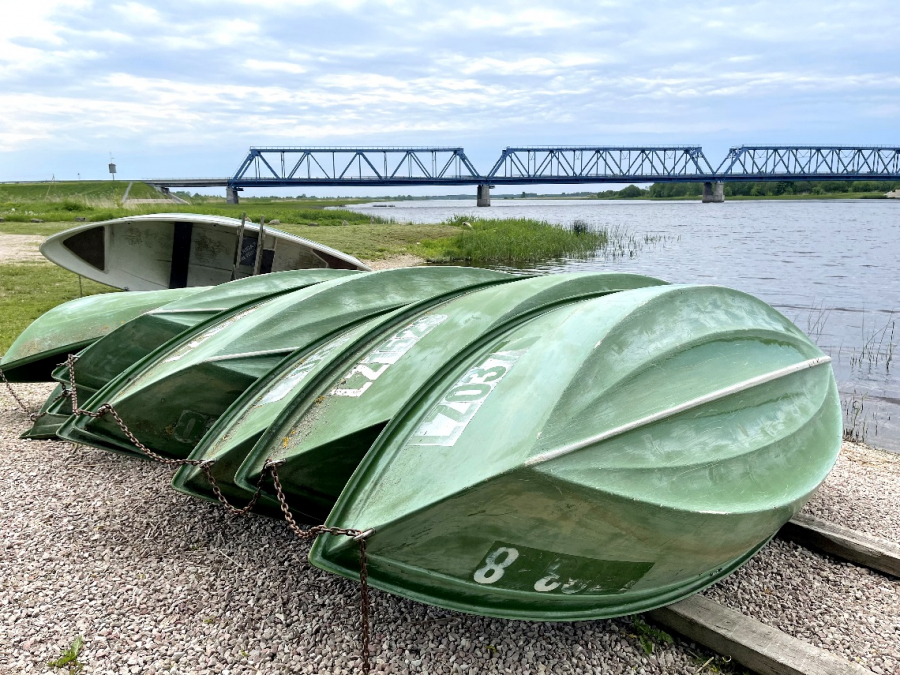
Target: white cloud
x: 138, y: 13
x: 274, y: 66
x: 76, y: 73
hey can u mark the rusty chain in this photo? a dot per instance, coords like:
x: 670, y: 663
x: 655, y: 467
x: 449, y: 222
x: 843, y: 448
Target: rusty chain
x: 272, y: 468
x: 205, y: 466
x: 33, y: 416
x: 359, y: 536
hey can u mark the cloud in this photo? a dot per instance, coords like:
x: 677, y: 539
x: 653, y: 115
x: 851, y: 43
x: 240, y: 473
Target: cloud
x: 135, y: 12
x: 274, y: 66
x: 190, y: 73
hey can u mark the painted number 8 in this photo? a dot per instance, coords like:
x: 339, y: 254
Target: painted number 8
x: 493, y: 567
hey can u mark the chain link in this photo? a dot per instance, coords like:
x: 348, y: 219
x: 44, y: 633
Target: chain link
x: 269, y: 467
x: 33, y: 416
x: 358, y: 535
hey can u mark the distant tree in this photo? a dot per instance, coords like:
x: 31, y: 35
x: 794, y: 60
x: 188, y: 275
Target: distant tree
x: 631, y: 192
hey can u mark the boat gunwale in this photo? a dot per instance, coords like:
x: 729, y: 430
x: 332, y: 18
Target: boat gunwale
x: 166, y: 217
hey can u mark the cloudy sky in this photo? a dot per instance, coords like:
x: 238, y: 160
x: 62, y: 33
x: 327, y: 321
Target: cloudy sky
x: 183, y: 88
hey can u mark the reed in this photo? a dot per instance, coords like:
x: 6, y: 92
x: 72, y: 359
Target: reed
x: 858, y: 421
x: 514, y: 240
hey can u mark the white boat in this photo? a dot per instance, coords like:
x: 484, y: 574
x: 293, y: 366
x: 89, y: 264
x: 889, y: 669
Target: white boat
x: 178, y: 250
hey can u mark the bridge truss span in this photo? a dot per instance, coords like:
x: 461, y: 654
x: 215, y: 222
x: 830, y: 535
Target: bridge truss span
x: 355, y: 166
x: 600, y: 164
x: 791, y: 163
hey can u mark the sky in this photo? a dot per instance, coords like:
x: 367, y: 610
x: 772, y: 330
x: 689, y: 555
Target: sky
x: 183, y: 88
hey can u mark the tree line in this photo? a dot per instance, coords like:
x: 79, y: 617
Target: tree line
x: 766, y: 189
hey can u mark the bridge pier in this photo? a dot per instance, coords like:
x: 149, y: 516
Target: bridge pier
x: 231, y: 195
x: 713, y: 193
x: 484, y: 195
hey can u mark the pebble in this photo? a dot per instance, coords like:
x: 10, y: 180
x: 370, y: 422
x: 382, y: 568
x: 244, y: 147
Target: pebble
x: 98, y: 545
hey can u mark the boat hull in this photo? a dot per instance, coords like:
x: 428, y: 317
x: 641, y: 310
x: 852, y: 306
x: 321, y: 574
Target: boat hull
x: 604, y: 458
x: 116, y: 352
x: 176, y: 250
x: 322, y: 427
x: 72, y: 326
x: 171, y: 398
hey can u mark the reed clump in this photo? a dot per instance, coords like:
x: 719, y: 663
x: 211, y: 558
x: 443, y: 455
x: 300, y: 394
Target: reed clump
x: 514, y: 240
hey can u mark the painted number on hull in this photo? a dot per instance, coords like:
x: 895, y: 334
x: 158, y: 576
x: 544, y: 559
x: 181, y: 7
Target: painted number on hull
x: 363, y: 375
x: 289, y: 382
x: 206, y: 335
x: 522, y: 568
x: 445, y: 422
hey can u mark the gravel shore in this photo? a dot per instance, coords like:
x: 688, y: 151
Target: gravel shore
x: 97, y: 545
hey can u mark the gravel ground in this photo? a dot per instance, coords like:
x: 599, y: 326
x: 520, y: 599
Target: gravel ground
x: 98, y: 545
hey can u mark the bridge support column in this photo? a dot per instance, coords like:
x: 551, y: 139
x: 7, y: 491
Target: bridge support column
x: 713, y: 193
x: 231, y: 195
x: 484, y: 195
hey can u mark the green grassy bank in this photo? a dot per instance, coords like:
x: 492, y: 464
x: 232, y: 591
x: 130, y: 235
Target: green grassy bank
x: 511, y: 241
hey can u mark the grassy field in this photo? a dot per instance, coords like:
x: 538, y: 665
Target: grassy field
x: 27, y: 290
x: 102, y: 200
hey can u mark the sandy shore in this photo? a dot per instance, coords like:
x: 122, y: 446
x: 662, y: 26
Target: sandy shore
x: 393, y: 262
x: 99, y: 545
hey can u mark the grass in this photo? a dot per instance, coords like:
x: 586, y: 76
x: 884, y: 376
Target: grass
x: 649, y: 636
x: 374, y: 241
x: 101, y: 200
x: 516, y: 240
x: 69, y: 658
x: 59, y: 191
x: 27, y: 290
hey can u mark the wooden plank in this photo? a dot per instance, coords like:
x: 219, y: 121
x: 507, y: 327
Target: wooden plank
x: 841, y: 542
x: 761, y: 648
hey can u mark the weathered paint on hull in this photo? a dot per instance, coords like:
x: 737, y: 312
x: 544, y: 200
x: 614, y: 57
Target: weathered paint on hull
x: 324, y: 424
x: 113, y: 354
x: 602, y: 459
x: 71, y: 326
x: 170, y: 398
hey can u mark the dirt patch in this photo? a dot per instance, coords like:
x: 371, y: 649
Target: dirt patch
x: 16, y: 248
x: 395, y: 261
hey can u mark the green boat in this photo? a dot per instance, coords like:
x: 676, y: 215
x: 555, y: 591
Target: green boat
x: 604, y: 458
x: 120, y: 349
x: 73, y: 325
x: 172, y: 396
x: 321, y: 419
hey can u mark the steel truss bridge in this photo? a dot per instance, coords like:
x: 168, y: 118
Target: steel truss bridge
x: 549, y: 165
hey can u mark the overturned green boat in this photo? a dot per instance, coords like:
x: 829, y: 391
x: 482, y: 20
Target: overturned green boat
x: 73, y: 325
x: 601, y: 459
x: 118, y: 350
x: 169, y: 398
x: 320, y: 413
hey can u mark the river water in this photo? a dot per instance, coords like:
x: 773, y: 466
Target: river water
x: 833, y: 267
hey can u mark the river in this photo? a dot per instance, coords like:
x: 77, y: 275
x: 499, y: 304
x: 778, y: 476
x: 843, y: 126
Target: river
x: 832, y: 266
